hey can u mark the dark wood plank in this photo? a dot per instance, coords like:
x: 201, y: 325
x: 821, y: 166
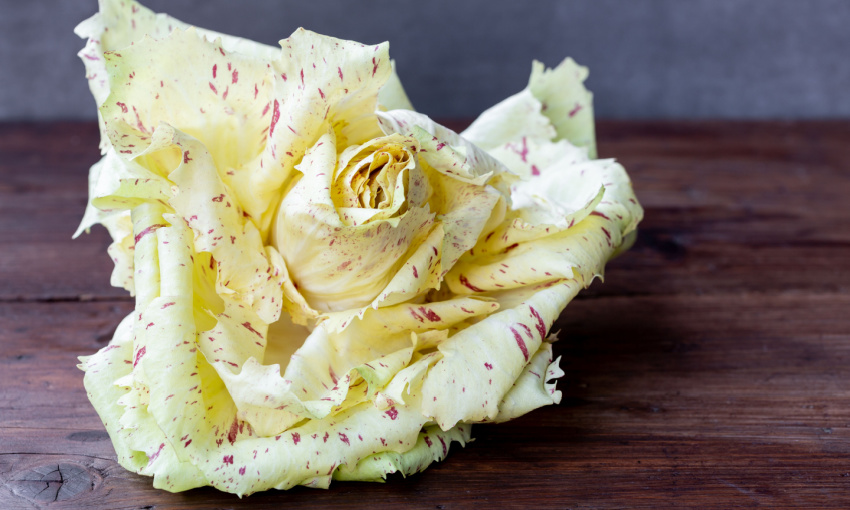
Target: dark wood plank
x: 41, y: 342
x: 734, y: 206
x: 43, y: 193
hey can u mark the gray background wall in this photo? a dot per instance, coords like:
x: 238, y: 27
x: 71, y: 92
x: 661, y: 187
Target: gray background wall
x: 647, y: 58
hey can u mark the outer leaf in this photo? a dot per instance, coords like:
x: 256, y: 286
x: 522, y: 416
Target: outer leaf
x: 517, y: 117
x: 555, y: 96
x: 495, y: 350
x: 533, y: 388
x: 224, y: 105
x: 121, y: 23
x: 432, y: 445
x: 567, y: 104
x: 116, y: 221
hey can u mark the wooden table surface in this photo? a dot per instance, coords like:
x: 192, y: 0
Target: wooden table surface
x: 712, y: 369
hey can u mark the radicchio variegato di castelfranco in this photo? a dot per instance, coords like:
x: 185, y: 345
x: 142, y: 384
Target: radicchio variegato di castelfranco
x: 328, y: 284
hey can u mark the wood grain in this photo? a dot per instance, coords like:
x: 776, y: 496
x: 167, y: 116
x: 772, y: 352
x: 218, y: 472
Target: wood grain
x: 711, y: 370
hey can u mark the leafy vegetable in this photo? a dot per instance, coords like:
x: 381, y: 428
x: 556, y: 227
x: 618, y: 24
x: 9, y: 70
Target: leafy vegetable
x: 328, y: 284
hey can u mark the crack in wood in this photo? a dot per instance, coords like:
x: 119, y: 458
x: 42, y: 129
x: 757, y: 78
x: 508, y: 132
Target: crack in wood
x: 49, y: 483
